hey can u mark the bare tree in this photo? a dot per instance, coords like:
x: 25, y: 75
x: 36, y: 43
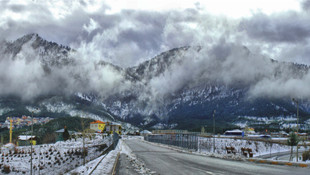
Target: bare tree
x: 292, y: 141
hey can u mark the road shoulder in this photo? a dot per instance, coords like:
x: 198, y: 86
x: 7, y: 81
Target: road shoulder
x: 125, y: 165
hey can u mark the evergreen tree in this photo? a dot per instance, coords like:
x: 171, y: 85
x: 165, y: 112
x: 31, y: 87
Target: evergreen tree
x: 66, y: 134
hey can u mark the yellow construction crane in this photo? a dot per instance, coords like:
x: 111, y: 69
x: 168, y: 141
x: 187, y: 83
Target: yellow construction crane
x: 11, y: 131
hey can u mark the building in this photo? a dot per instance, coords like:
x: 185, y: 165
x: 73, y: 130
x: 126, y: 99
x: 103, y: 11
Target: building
x: 59, y: 134
x: 97, y: 125
x: 113, y: 127
x: 235, y: 132
x: 249, y: 130
x: 145, y: 133
x: 25, y: 140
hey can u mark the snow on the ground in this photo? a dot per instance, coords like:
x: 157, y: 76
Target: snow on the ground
x: 87, y: 168
x: 138, y: 164
x: 105, y: 165
x: 205, y: 145
x: 106, y: 162
x: 55, y: 158
x: 211, y: 154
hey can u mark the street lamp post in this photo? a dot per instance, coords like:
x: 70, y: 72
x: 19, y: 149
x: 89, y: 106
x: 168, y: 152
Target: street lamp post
x: 296, y: 101
x: 39, y: 159
x: 214, y: 131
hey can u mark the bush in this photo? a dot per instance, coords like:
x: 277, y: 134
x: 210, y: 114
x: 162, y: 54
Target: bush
x: 6, y: 169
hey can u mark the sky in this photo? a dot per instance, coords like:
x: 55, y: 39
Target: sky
x: 129, y: 32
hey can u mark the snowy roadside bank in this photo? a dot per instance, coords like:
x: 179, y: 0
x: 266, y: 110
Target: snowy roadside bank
x: 101, y: 165
x: 205, y: 145
x: 56, y: 158
x: 137, y: 164
x: 104, y: 167
x: 210, y: 154
x: 106, y: 162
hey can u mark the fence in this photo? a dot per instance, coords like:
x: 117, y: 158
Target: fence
x: 189, y: 141
x: 115, y: 139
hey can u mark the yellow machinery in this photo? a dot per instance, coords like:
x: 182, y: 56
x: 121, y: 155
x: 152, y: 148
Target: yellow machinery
x: 11, y: 131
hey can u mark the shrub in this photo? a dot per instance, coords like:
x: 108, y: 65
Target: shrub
x: 6, y: 169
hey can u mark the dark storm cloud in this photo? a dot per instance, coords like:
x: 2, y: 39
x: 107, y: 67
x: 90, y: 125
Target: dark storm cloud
x: 305, y: 4
x: 42, y: 20
x: 147, y: 35
x: 125, y: 38
x: 282, y: 27
x: 17, y: 8
x: 129, y: 37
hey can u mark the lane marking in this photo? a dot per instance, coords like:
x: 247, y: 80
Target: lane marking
x: 209, y: 172
x: 174, y: 159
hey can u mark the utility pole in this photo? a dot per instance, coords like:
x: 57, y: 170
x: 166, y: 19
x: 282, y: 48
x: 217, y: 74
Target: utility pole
x: 39, y: 159
x: 83, y: 135
x: 297, y: 103
x: 31, y: 144
x: 1, y: 139
x: 214, y: 131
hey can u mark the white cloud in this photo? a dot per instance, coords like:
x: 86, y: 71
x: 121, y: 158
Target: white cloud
x: 91, y: 26
x: 127, y: 33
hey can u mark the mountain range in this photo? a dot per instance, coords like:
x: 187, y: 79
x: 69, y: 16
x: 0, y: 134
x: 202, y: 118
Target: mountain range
x: 182, y: 88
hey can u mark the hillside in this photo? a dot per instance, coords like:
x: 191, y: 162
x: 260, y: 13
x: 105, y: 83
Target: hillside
x: 46, y: 133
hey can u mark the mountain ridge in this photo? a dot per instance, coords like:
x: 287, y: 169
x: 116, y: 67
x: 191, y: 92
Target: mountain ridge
x: 190, y: 103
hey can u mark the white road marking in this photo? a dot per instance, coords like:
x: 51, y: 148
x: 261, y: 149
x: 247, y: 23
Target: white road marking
x: 174, y: 159
x: 209, y: 172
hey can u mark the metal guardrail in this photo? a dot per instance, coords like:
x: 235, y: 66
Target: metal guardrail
x: 106, y: 151
x: 97, y: 165
x: 188, y: 141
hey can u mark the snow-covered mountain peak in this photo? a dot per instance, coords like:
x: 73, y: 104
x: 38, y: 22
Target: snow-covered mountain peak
x: 180, y: 85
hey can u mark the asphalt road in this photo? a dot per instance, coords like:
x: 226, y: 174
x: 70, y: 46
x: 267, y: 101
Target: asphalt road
x: 167, y: 161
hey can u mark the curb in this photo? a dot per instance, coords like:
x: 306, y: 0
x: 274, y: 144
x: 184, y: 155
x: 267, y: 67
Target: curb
x: 115, y: 164
x: 274, y: 162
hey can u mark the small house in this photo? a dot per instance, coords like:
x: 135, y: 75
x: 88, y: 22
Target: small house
x: 25, y: 140
x: 97, y: 125
x: 113, y: 127
x: 59, y: 134
x: 145, y: 133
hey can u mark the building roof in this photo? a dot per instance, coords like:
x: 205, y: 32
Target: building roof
x: 26, y: 137
x: 63, y: 130
x: 235, y: 130
x: 9, y: 146
x: 114, y: 124
x: 97, y: 122
x: 145, y: 132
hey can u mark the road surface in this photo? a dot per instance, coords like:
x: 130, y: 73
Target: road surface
x: 167, y: 161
